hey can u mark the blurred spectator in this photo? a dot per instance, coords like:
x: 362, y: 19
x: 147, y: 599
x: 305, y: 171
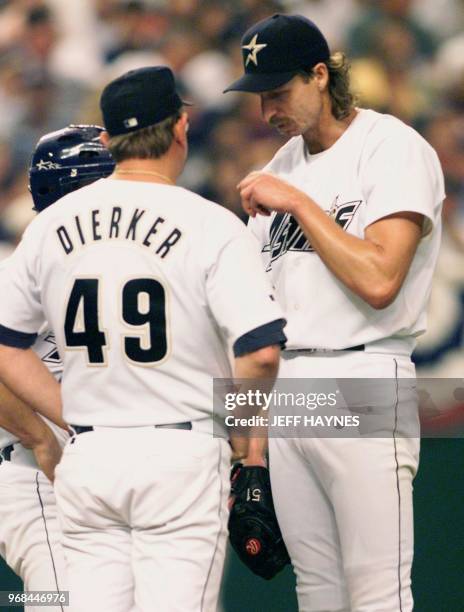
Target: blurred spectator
x: 398, y: 91
x: 449, y: 64
x: 445, y: 133
x: 77, y: 40
x: 380, y: 16
x: 11, y: 25
x: 252, y: 11
x: 48, y: 105
x: 180, y: 44
x: 12, y: 96
x: 7, y: 177
x: 440, y: 351
x: 19, y: 213
x: 392, y: 65
x: 206, y: 76
x: 331, y: 16
x: 183, y: 10
x: 443, y: 17
x: 215, y: 22
x: 38, y: 38
x: 140, y: 25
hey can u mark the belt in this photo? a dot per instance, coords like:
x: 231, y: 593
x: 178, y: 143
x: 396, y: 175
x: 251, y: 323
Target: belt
x: 79, y: 429
x: 6, y: 453
x: 358, y: 347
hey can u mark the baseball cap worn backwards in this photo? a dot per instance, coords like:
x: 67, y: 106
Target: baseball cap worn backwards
x: 138, y: 99
x: 276, y: 49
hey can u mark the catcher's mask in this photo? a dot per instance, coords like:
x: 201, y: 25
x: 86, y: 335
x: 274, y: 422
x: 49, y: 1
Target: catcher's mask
x: 66, y: 160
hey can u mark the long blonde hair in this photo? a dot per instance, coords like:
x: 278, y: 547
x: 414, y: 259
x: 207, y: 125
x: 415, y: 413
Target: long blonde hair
x: 339, y: 88
x: 343, y: 99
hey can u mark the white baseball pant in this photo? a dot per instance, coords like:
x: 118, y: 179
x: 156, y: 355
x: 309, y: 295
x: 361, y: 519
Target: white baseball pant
x: 345, y: 504
x: 30, y: 534
x: 144, y: 518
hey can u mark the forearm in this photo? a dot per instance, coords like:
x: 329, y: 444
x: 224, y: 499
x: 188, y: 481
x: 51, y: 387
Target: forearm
x: 257, y: 448
x: 255, y: 372
x: 373, y: 267
x: 26, y: 377
x: 251, y: 448
x: 260, y: 366
x: 20, y: 420
x: 358, y: 263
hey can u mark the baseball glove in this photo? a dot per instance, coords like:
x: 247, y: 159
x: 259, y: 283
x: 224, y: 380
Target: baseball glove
x: 253, y: 528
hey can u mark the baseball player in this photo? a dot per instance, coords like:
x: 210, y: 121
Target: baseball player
x: 348, y: 217
x: 145, y: 285
x: 29, y: 530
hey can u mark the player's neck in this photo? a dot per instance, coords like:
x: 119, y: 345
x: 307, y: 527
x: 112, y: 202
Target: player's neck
x: 327, y: 132
x: 146, y: 170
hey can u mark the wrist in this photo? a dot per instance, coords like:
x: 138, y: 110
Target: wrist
x: 254, y: 460
x: 299, y: 204
x: 41, y: 437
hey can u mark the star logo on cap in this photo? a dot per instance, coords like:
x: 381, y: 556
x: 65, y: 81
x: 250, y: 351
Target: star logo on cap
x: 254, y: 48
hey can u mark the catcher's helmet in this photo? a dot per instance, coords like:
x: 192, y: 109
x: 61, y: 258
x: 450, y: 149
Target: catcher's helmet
x: 66, y: 160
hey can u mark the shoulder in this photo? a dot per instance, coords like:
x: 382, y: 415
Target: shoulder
x: 389, y: 141
x: 212, y: 215
x: 49, y: 219
x: 384, y: 128
x: 215, y: 230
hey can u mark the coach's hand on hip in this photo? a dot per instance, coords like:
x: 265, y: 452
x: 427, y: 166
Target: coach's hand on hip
x: 47, y: 452
x: 262, y: 193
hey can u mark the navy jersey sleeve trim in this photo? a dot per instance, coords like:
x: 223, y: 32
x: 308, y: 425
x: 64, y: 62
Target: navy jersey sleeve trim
x: 16, y: 339
x: 260, y: 337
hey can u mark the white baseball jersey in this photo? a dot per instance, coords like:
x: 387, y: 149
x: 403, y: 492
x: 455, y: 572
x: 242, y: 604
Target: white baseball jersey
x: 45, y: 347
x: 143, y: 284
x: 378, y: 167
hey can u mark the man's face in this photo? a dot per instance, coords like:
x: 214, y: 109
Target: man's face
x: 294, y: 107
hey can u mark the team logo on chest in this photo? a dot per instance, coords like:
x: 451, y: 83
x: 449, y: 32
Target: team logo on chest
x: 286, y: 235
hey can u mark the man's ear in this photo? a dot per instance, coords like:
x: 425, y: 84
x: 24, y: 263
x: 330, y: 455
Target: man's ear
x: 321, y: 75
x: 104, y: 138
x: 181, y: 129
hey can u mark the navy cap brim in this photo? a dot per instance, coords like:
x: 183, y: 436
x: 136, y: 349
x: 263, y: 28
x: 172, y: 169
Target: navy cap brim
x: 258, y: 82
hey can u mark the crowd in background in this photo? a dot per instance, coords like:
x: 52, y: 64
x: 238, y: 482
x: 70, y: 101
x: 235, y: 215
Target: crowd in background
x: 407, y: 59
